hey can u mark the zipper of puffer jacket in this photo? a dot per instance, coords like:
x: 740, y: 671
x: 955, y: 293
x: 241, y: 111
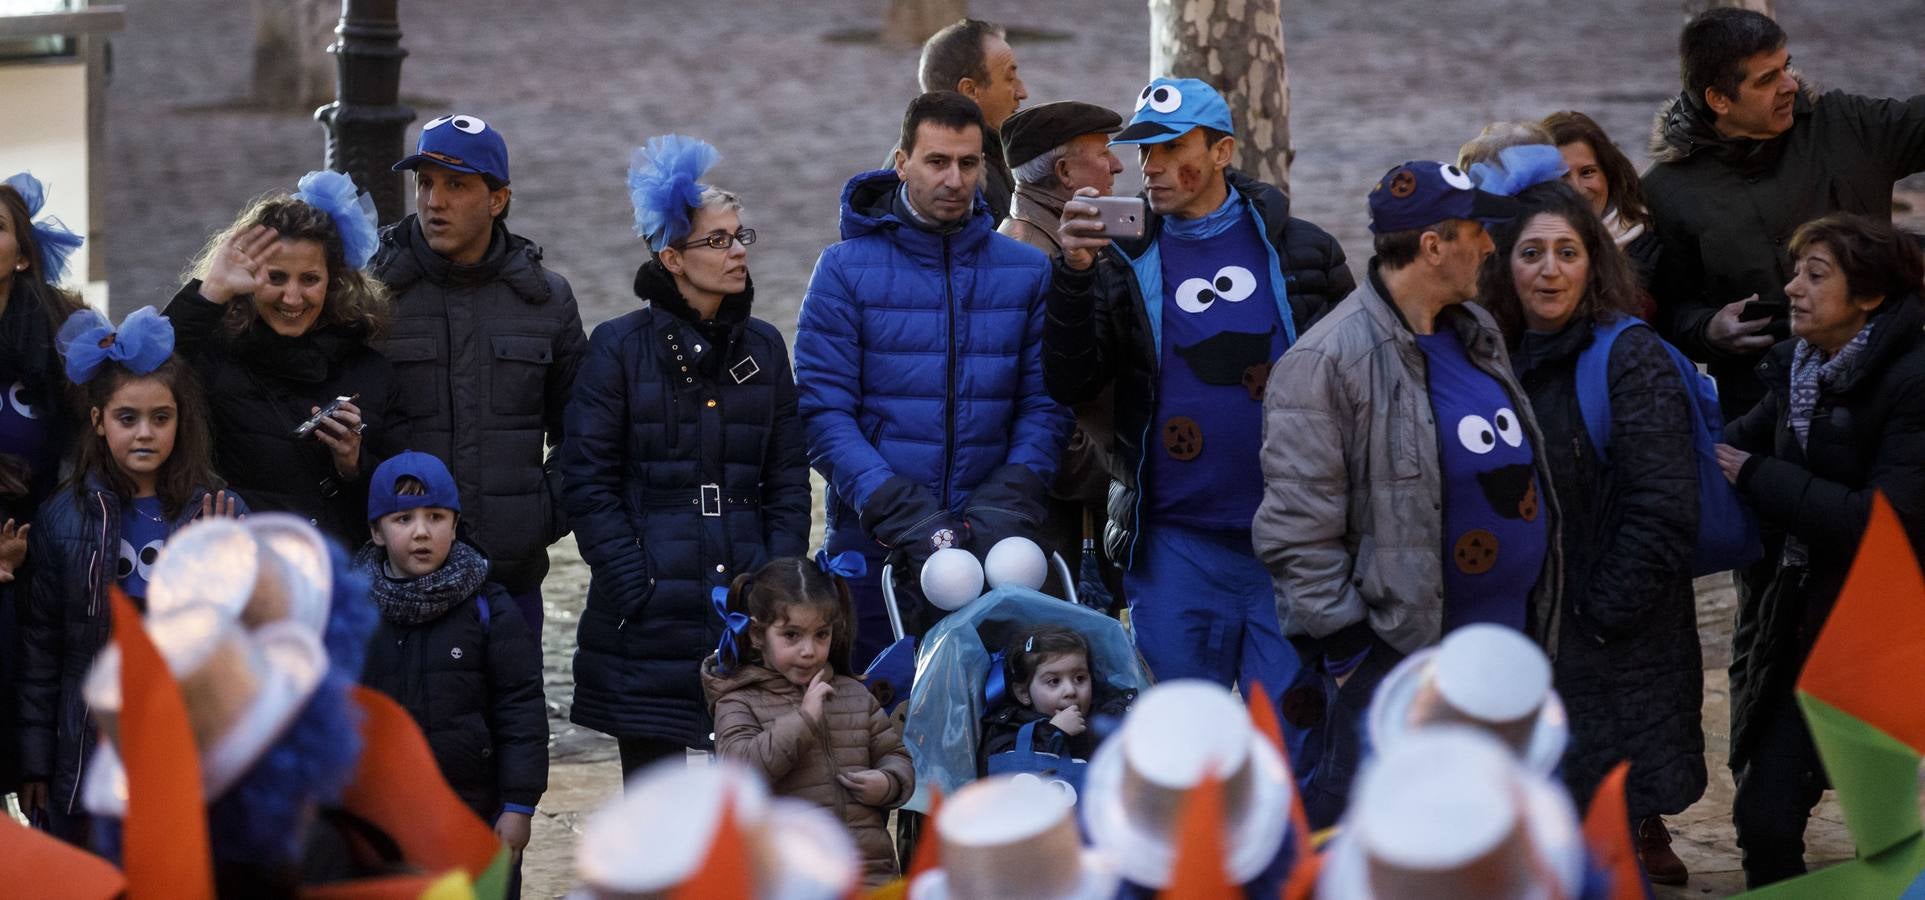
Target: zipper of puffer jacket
x: 93, y: 609
x: 949, y: 374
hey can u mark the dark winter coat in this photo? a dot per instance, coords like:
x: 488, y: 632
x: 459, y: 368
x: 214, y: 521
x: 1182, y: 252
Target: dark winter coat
x: 1628, y: 664
x: 475, y: 689
x: 919, y: 357
x: 260, y: 386
x: 1100, y: 335
x: 485, y: 356
x: 1867, y: 435
x: 64, y: 621
x: 684, y: 467
x: 1725, y: 208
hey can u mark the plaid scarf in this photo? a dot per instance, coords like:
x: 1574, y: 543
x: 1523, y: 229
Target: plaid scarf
x: 1811, y: 373
x: 412, y: 601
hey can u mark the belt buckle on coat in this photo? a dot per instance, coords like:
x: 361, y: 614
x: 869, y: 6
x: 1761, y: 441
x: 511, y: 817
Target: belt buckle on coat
x: 711, y: 500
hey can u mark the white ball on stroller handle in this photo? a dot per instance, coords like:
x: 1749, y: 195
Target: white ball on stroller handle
x: 952, y: 577
x: 1017, y: 561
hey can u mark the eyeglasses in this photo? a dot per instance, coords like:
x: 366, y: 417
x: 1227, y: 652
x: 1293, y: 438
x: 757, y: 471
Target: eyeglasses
x: 719, y: 240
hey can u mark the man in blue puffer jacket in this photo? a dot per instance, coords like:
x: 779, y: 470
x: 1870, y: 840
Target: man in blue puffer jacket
x: 919, y: 364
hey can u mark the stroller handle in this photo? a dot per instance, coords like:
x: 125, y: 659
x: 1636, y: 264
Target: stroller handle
x: 1068, y: 577
x: 889, y: 600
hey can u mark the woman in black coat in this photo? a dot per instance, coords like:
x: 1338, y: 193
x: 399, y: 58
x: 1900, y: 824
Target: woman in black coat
x: 683, y: 466
x: 279, y: 325
x: 1627, y: 662
x: 1843, y: 418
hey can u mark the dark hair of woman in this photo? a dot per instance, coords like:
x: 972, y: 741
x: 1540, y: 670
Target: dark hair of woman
x: 191, y: 464
x: 1612, y: 290
x: 1877, y: 259
x: 770, y: 593
x: 354, y: 298
x: 30, y: 287
x: 1627, y: 190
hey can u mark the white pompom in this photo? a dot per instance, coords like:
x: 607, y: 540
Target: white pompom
x: 1017, y: 561
x: 951, y: 578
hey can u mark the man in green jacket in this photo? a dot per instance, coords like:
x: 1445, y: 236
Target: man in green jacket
x: 1741, y: 158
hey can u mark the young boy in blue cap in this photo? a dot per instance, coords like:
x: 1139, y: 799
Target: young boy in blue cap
x: 451, y: 648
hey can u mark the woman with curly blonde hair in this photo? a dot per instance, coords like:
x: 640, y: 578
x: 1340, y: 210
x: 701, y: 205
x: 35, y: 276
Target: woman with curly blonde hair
x: 279, y: 318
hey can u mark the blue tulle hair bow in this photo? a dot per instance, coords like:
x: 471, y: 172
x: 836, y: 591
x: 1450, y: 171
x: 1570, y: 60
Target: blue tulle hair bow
x: 352, y: 211
x: 1519, y: 167
x: 55, y: 240
x: 88, y: 341
x: 847, y: 564
x: 735, y: 633
x: 664, y: 183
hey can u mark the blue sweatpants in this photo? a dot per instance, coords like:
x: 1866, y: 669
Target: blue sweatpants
x: 1202, y: 606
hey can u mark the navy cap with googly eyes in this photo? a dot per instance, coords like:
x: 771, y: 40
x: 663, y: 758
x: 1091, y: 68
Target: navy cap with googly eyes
x: 1422, y: 193
x: 463, y: 143
x: 1169, y: 108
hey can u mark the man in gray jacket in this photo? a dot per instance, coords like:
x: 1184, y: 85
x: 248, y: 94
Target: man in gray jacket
x: 485, y: 344
x: 1403, y: 492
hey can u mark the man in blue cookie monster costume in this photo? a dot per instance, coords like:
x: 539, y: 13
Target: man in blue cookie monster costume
x: 1185, y: 322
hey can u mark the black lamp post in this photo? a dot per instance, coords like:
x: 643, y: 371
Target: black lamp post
x: 366, y: 123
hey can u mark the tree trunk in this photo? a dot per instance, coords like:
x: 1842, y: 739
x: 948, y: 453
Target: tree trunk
x: 1237, y: 47
x: 1693, y: 7
x: 913, y: 21
x: 292, y: 68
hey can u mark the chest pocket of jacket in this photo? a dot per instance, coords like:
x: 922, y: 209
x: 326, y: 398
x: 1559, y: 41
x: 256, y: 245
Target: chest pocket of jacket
x: 519, y: 372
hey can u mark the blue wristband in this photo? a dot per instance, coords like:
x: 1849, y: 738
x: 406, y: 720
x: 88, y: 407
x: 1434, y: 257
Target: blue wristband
x: 517, y: 808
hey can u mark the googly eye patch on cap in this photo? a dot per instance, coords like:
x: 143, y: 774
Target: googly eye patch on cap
x: 464, y: 124
x: 1160, y: 98
x: 1455, y: 177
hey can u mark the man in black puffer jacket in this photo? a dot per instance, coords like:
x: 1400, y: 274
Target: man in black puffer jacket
x: 1185, y: 322
x: 485, y: 344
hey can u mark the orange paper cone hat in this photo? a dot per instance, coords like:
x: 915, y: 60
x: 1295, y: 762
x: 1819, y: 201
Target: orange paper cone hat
x: 1199, y: 872
x: 1263, y: 716
x: 164, y: 837
x: 727, y: 872
x: 928, y: 849
x: 1607, y: 830
x: 61, y: 870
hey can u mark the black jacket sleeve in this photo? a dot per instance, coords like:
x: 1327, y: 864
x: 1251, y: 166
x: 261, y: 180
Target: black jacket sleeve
x: 1677, y: 286
x: 593, y: 460
x: 519, y: 710
x: 1316, y: 276
x: 196, y: 321
x: 785, y: 467
x: 1654, y: 477
x: 1082, y: 342
x: 570, y: 347
x: 42, y: 647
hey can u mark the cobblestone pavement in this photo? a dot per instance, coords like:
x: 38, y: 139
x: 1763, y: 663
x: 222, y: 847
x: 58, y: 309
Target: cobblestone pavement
x: 797, y: 106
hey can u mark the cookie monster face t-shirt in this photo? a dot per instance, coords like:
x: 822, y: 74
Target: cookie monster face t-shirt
x: 1494, y: 528
x: 1221, y: 331
x: 143, y: 531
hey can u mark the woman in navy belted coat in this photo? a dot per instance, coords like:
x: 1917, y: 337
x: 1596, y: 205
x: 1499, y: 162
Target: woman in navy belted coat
x: 683, y: 463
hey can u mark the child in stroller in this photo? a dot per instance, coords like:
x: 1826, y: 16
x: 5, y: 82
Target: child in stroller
x: 1049, y: 696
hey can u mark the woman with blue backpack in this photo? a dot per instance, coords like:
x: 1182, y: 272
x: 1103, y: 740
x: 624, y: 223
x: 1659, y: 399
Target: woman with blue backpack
x: 1619, y: 421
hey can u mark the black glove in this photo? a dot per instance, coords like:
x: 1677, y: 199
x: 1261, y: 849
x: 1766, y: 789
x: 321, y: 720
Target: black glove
x: 1008, y: 503
x: 904, y: 516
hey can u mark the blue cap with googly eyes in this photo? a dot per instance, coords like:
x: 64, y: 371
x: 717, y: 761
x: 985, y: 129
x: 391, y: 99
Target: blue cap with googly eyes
x: 1167, y: 108
x: 1423, y: 193
x: 462, y: 143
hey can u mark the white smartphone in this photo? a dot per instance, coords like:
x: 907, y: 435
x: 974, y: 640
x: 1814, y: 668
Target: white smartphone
x: 1122, y: 217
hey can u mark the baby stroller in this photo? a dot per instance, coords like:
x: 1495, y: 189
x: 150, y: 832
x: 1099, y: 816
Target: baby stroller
x: 945, y: 707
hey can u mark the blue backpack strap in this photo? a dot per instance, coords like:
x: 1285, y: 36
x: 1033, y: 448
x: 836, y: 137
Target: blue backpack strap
x: 481, y: 606
x: 1594, y: 382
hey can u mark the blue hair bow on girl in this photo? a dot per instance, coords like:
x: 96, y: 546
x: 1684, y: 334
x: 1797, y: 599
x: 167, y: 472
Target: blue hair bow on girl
x: 1519, y: 167
x: 55, y: 240
x: 352, y: 211
x: 664, y: 183
x: 847, y: 564
x: 735, y: 630
x: 88, y: 341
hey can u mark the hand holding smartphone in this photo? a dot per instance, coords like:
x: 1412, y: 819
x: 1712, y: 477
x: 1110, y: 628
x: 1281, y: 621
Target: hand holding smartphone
x: 1122, y: 217
x: 306, y: 428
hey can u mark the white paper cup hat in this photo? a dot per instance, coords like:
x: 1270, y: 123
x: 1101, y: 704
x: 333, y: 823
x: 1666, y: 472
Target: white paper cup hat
x: 657, y: 834
x: 1016, y: 561
x: 267, y: 568
x: 802, y: 852
x: 1449, y: 812
x: 1486, y: 676
x: 951, y: 577
x: 241, y: 689
x: 1178, y: 731
x: 1012, y: 836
